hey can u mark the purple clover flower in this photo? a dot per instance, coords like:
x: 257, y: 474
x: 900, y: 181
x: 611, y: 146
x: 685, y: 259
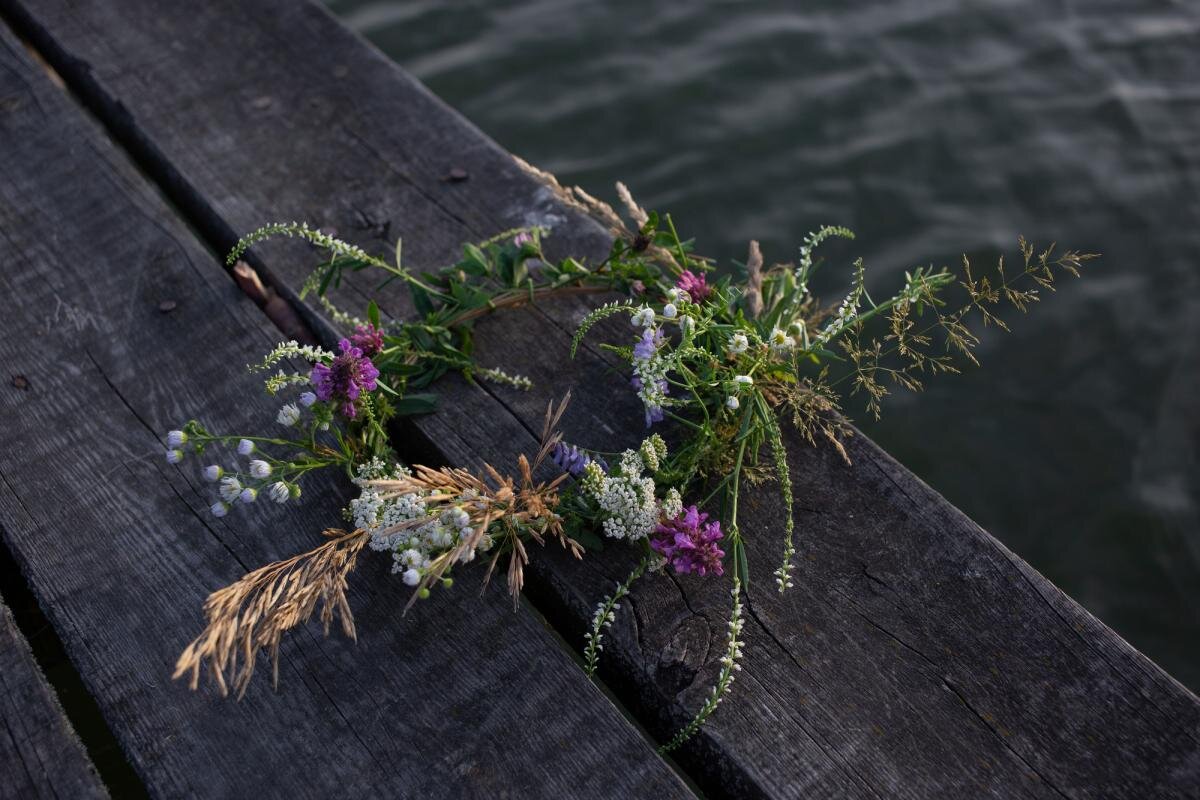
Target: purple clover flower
x: 689, y: 543
x: 367, y: 338
x: 570, y: 458
x: 523, y: 238
x: 343, y: 380
x: 695, y: 285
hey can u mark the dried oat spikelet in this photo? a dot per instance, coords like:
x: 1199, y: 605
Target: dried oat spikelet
x: 255, y: 612
x: 635, y: 212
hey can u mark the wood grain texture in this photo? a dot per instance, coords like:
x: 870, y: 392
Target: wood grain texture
x: 40, y: 755
x: 917, y: 657
x: 463, y: 698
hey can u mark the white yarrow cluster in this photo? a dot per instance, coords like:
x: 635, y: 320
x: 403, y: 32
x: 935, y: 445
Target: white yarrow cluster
x: 413, y: 547
x: 626, y: 497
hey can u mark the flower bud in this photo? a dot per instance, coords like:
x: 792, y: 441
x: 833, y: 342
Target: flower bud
x: 174, y: 456
x: 245, y: 447
x: 176, y: 439
x: 259, y: 468
x: 213, y: 472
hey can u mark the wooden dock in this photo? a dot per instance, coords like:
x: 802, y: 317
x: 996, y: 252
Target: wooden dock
x: 917, y: 657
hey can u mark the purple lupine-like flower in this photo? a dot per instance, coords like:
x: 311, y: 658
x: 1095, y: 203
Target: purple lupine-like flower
x: 343, y: 380
x: 652, y: 338
x: 523, y: 238
x: 570, y: 458
x: 367, y: 338
x: 654, y: 412
x: 695, y: 285
x: 689, y: 543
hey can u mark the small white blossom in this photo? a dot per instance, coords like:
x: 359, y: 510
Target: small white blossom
x: 245, y: 447
x: 644, y: 317
x: 412, y: 577
x: 780, y: 341
x: 248, y: 495
x: 307, y: 399
x: 213, y: 472
x: 230, y: 488
x: 673, y: 294
x: 219, y: 509
x: 176, y: 439
x: 289, y: 415
x: 732, y: 402
x: 738, y: 344
x: 686, y: 324
x: 670, y: 311
x: 744, y: 380
x: 280, y: 492
x: 259, y: 468
x: 174, y: 456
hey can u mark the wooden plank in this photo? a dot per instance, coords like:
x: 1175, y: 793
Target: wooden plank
x: 917, y: 657
x: 120, y: 550
x: 40, y: 755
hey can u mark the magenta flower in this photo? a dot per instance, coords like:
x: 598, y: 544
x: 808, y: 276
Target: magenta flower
x: 695, y: 285
x: 367, y: 338
x: 689, y: 543
x: 343, y: 380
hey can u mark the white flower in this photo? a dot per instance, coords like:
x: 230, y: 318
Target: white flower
x: 230, y: 488
x: 174, y: 456
x: 673, y: 294
x: 259, y: 468
x: 744, y: 380
x: 289, y: 415
x: 644, y: 317
x: 686, y: 323
x: 213, y: 472
x: 280, y: 492
x: 732, y: 402
x: 176, y: 439
x: 219, y: 509
x: 780, y: 341
x: 307, y: 399
x: 248, y: 495
x: 412, y: 577
x: 245, y: 447
x: 738, y: 343
x: 670, y: 311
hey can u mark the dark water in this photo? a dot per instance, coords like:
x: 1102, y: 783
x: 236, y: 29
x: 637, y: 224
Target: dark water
x: 931, y: 128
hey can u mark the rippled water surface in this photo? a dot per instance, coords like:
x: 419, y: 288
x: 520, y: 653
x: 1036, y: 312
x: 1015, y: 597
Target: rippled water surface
x: 931, y: 128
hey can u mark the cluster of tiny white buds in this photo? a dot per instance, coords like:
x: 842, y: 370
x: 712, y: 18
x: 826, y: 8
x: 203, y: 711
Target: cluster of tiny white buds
x: 292, y: 349
x: 307, y: 399
x: 260, y: 469
x: 738, y: 344
x: 289, y: 415
x: 245, y: 447
x: 643, y: 317
x: 213, y: 472
x: 497, y: 375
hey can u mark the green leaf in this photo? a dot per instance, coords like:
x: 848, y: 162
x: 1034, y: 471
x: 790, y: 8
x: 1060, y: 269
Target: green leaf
x: 415, y: 404
x: 421, y: 300
x: 373, y: 313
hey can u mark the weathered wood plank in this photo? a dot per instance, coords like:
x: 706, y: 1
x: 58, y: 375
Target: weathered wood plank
x: 120, y: 550
x: 917, y: 657
x: 40, y: 755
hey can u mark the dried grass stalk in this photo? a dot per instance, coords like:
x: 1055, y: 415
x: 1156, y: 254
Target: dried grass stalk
x: 754, y: 270
x: 254, y: 613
